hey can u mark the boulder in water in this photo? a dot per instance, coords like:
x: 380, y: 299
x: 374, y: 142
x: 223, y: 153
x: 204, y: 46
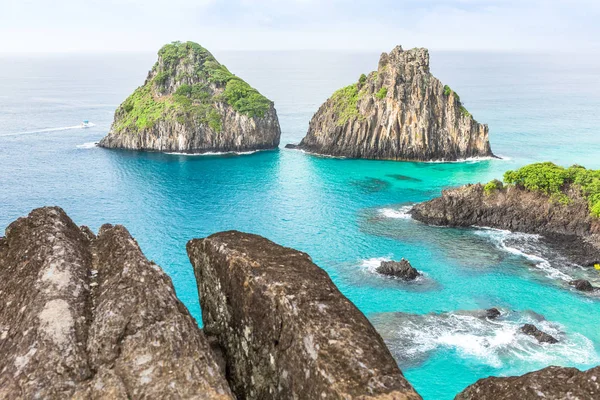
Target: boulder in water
x: 398, y: 269
x: 582, y: 285
x: 541, y: 336
x: 492, y: 313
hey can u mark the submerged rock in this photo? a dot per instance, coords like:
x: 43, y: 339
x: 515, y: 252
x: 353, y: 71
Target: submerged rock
x: 552, y: 383
x: 541, y: 336
x: 190, y: 103
x: 399, y: 269
x: 286, y: 330
x: 85, y: 317
x: 582, y: 285
x: 399, y: 112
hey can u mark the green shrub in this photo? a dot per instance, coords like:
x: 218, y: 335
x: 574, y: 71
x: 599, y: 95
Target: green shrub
x: 447, y: 90
x: 492, y: 186
x: 245, y: 99
x: 464, y: 111
x: 345, y: 103
x: 382, y: 93
x: 362, y: 80
x: 554, y: 180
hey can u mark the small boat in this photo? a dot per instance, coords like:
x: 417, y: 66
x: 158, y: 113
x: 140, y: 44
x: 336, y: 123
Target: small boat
x: 85, y: 124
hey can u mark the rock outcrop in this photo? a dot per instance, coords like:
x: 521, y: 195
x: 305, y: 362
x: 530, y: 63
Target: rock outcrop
x: 582, y: 285
x: 542, y: 337
x: 190, y: 103
x: 569, y: 228
x: 492, y: 313
x: 84, y: 317
x: 398, y: 269
x: 399, y: 112
x: 552, y: 383
x: 285, y: 329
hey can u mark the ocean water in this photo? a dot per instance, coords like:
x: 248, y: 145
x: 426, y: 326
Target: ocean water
x: 347, y: 214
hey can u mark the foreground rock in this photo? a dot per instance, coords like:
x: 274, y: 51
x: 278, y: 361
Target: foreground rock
x: 285, y: 329
x: 398, y: 269
x: 85, y: 317
x: 492, y: 313
x: 190, y: 103
x: 399, y: 112
x: 542, y: 337
x: 552, y: 383
x: 582, y: 285
x: 569, y: 228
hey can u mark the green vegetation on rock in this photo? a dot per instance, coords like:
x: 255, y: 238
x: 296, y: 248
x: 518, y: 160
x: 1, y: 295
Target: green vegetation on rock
x: 201, y: 83
x: 492, y: 186
x: 382, y: 93
x: 345, y: 101
x: 554, y: 181
x: 362, y: 79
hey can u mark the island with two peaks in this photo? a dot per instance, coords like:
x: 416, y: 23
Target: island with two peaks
x: 190, y: 103
x: 399, y: 112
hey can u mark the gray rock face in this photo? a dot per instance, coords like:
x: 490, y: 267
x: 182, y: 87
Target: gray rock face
x: 541, y: 336
x: 190, y: 103
x: 582, y: 285
x: 398, y: 269
x: 552, y: 383
x: 399, y: 112
x: 84, y: 317
x: 492, y: 313
x: 285, y: 329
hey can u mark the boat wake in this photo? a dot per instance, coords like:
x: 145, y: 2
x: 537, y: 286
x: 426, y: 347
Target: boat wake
x: 88, y: 145
x: 498, y: 343
x: 48, y: 130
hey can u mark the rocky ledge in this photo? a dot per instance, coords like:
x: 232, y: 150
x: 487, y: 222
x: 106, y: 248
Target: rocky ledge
x: 398, y: 269
x: 557, y: 203
x: 552, y: 383
x: 286, y: 331
x: 399, y: 112
x: 84, y: 317
x: 190, y: 103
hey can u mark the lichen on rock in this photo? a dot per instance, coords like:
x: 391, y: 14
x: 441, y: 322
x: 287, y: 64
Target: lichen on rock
x: 399, y: 112
x: 191, y: 103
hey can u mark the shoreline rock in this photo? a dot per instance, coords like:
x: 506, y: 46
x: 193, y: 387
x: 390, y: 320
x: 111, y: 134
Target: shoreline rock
x: 86, y: 317
x: 398, y: 269
x: 399, y: 112
x: 190, y: 103
x: 286, y: 330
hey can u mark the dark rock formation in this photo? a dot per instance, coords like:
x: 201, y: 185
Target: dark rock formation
x: 85, y: 317
x: 399, y: 112
x: 492, y: 313
x: 398, y: 269
x: 542, y: 337
x: 190, y: 103
x: 286, y: 330
x: 569, y: 228
x: 552, y: 383
x: 582, y: 285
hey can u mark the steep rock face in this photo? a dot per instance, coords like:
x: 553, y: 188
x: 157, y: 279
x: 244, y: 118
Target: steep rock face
x: 84, y: 317
x: 569, y: 227
x: 399, y: 112
x: 286, y: 330
x: 552, y: 383
x: 191, y: 103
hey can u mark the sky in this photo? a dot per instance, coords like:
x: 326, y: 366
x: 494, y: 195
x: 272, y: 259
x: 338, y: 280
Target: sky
x: 92, y: 26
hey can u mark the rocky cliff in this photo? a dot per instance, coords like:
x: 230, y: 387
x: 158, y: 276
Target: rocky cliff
x: 287, y: 332
x: 191, y: 103
x: 399, y: 112
x: 558, y: 203
x: 552, y: 383
x: 84, y: 318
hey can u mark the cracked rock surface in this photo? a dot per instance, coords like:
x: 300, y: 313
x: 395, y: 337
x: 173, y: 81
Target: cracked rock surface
x: 286, y: 331
x: 85, y: 317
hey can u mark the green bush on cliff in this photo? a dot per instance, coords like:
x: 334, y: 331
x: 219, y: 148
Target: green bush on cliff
x: 447, y: 90
x: 382, y: 93
x: 245, y: 99
x: 554, y: 180
x: 345, y: 102
x: 362, y: 79
x: 492, y: 186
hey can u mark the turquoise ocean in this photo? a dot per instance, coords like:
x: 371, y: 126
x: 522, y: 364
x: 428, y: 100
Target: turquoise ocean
x: 347, y: 214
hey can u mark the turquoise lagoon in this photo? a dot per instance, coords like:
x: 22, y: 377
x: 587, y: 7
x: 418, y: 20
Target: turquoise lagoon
x: 347, y: 214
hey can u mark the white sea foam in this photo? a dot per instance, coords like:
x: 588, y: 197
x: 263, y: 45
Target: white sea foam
x: 215, y: 153
x: 88, y: 145
x: 501, y: 239
x: 372, y: 264
x: 497, y: 343
x: 470, y: 160
x: 400, y: 213
x: 48, y: 130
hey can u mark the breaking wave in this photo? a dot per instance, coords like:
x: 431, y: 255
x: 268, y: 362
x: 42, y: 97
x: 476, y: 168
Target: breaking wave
x: 400, y: 213
x: 88, y: 145
x: 48, y: 130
